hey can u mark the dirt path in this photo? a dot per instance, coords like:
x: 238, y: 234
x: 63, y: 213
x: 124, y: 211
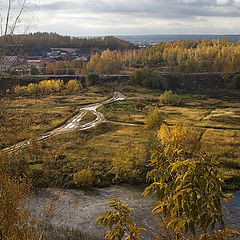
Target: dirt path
x: 70, y: 125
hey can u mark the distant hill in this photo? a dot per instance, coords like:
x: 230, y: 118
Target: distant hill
x: 37, y: 43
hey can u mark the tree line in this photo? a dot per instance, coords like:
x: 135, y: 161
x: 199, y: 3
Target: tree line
x: 47, y: 87
x: 180, y: 56
x: 35, y: 42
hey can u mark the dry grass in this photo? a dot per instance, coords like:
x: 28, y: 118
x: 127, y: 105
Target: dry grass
x: 69, y: 153
x: 25, y: 117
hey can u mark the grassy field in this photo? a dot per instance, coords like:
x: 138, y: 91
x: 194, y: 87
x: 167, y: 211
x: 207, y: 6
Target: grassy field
x: 55, y: 161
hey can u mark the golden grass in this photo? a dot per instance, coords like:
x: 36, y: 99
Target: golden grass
x: 217, y: 141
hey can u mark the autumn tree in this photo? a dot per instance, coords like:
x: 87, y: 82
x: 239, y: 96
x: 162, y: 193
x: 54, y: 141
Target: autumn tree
x: 73, y: 86
x: 179, y: 56
x: 108, y: 63
x: 75, y: 67
x: 119, y: 221
x: 47, y: 87
x: 187, y: 184
x: 15, y: 220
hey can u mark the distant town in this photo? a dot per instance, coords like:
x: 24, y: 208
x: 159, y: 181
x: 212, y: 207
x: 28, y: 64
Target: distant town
x: 36, y: 53
x: 32, y: 64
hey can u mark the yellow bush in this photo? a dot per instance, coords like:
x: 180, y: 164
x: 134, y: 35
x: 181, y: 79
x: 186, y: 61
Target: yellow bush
x: 179, y: 136
x: 73, y: 86
x: 129, y: 164
x: 20, y: 90
x: 83, y: 178
x: 154, y: 119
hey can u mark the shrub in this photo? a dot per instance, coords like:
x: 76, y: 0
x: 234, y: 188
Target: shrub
x: 119, y: 221
x: 92, y: 79
x: 154, y: 120
x: 83, y: 178
x: 21, y: 90
x: 129, y: 164
x: 73, y: 86
x: 169, y: 98
x: 147, y: 78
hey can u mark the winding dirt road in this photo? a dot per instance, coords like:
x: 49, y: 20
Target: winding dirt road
x: 72, y: 124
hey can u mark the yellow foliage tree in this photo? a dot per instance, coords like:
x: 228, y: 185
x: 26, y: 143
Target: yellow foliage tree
x: 179, y: 137
x: 15, y: 220
x: 119, y: 222
x: 73, y: 86
x: 187, y: 185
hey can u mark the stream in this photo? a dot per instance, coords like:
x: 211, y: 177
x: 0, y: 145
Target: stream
x: 79, y: 209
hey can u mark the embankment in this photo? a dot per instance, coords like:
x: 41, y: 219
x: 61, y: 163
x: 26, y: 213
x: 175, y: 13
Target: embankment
x: 207, y: 83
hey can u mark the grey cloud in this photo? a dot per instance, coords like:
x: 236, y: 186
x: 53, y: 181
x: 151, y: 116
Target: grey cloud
x: 151, y: 8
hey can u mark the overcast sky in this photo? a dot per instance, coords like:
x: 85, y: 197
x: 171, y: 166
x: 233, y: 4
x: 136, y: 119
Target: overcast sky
x: 129, y: 17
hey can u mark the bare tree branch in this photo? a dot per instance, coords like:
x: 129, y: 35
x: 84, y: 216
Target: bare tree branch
x: 9, y: 22
x: 8, y: 16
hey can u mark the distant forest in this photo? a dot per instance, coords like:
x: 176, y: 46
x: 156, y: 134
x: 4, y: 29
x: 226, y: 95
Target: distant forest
x: 180, y: 56
x: 118, y: 55
x: 36, y: 43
